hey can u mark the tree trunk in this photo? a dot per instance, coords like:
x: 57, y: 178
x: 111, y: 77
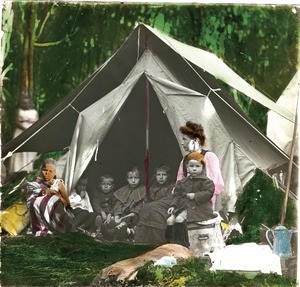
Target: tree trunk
x: 28, y: 50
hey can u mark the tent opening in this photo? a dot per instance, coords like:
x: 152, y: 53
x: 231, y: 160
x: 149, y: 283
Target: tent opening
x: 125, y: 143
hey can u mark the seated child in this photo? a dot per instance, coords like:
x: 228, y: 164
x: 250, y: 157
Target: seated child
x: 85, y: 220
x: 153, y: 215
x: 106, y: 197
x: 161, y: 186
x: 191, y: 200
x: 104, y: 203
x: 129, y: 199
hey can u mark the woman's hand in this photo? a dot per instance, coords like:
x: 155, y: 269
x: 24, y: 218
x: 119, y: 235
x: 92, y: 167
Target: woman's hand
x: 50, y: 191
x: 64, y: 193
x: 57, y: 185
x: 190, y: 195
x: 170, y: 210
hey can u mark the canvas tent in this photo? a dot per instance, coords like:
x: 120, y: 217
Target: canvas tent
x: 103, y: 121
x: 279, y: 129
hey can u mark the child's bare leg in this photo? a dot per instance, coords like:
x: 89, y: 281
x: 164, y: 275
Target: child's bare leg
x: 171, y: 220
x: 179, y: 219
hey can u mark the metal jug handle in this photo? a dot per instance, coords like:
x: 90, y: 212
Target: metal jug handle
x: 267, y: 237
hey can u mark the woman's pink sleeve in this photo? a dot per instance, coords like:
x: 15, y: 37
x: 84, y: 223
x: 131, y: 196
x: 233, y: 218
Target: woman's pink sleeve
x: 180, y: 171
x: 213, y: 172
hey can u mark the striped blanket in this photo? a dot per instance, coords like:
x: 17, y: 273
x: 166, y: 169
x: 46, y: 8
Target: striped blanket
x: 47, y: 211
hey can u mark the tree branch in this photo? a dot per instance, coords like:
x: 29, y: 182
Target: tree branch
x: 43, y: 25
x: 48, y: 44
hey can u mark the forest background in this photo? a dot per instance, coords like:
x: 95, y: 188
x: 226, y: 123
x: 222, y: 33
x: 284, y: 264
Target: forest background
x: 51, y: 47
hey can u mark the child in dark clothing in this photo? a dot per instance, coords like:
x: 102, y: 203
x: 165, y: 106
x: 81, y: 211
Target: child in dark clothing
x: 129, y: 199
x: 191, y: 200
x: 106, y: 199
x: 104, y: 204
x: 161, y: 186
x: 153, y: 215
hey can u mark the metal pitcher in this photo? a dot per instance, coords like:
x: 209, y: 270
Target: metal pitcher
x: 280, y: 241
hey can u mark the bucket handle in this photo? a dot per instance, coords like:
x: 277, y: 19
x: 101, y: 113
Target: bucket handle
x: 267, y: 237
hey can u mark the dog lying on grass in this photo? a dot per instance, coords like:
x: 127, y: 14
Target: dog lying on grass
x: 127, y: 269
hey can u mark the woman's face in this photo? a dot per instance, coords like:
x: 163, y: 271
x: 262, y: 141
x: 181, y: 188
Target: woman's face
x: 133, y: 179
x: 185, y: 142
x: 161, y: 176
x: 49, y: 172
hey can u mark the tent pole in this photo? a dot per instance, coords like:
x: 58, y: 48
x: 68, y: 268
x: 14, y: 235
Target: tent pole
x: 147, y: 107
x: 290, y: 166
x: 147, y: 156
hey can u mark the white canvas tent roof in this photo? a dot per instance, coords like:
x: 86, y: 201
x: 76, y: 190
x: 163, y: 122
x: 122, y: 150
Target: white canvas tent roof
x: 103, y: 120
x: 279, y: 129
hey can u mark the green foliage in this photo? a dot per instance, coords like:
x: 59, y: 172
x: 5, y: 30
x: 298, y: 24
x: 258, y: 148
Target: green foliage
x: 195, y: 272
x: 72, y: 259
x: 262, y: 203
x: 245, y: 37
x: 10, y: 194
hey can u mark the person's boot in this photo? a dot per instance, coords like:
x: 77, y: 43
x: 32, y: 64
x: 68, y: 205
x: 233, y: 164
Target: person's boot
x: 181, y: 234
x: 169, y: 233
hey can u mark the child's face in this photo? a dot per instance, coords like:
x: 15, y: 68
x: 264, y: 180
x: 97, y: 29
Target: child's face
x: 133, y: 178
x: 194, y: 167
x: 81, y: 186
x: 161, y: 176
x: 106, y: 185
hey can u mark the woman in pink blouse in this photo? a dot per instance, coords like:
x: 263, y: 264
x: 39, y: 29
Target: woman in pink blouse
x: 193, y: 139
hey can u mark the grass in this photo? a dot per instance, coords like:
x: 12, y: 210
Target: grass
x: 195, y: 272
x: 71, y: 259
x: 75, y: 259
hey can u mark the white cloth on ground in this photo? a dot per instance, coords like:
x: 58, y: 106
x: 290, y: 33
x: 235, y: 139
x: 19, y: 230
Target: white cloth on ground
x: 246, y: 257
